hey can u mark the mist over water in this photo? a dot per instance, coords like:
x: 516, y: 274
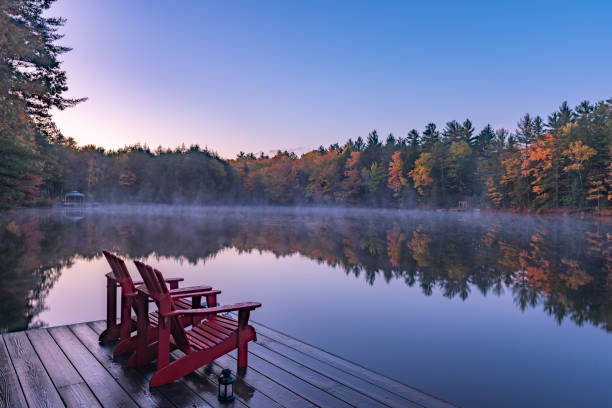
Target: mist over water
x: 481, y: 309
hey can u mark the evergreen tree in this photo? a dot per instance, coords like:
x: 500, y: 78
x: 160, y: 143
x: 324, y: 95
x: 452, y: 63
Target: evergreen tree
x: 453, y: 131
x: 413, y: 138
x: 467, y: 132
x: 430, y: 136
x: 31, y: 83
x: 525, y: 132
x: 484, y: 138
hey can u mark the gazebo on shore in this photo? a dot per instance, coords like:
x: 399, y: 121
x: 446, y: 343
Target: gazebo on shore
x: 74, y: 199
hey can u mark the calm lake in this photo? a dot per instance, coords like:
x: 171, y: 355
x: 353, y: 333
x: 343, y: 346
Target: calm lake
x: 482, y: 310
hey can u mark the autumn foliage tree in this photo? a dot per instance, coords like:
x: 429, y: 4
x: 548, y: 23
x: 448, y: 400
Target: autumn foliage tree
x: 396, y: 180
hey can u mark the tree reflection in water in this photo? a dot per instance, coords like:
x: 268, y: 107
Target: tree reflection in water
x: 563, y: 264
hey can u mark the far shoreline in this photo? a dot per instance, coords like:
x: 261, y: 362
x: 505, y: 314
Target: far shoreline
x: 180, y: 208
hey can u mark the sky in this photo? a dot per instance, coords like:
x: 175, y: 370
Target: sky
x: 258, y: 76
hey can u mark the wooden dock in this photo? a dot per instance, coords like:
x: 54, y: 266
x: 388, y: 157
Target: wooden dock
x: 66, y: 366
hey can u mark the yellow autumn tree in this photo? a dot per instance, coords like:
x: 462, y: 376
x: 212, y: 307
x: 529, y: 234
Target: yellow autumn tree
x: 493, y: 193
x: 577, y: 154
x: 421, y: 174
x: 514, y: 182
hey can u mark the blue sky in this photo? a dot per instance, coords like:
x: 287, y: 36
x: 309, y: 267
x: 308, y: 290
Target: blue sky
x: 260, y: 76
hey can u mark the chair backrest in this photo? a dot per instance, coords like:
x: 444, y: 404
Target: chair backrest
x: 156, y: 285
x: 153, y: 280
x: 120, y: 271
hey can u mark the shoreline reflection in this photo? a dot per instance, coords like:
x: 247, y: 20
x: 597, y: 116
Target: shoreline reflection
x: 563, y: 265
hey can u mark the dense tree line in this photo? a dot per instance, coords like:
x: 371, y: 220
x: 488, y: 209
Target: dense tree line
x: 563, y: 162
x: 138, y: 174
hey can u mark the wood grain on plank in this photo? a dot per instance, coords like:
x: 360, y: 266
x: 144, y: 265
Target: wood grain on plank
x: 11, y: 394
x: 67, y: 381
x: 318, y: 380
x: 274, y: 390
x: 365, y: 387
x: 128, y: 377
x: 406, y: 391
x: 316, y: 395
x: 35, y: 382
x: 100, y: 381
x: 244, y: 391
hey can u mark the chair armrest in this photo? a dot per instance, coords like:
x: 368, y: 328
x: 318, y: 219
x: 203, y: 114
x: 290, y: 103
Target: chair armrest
x: 214, y: 310
x: 190, y: 289
x: 192, y: 294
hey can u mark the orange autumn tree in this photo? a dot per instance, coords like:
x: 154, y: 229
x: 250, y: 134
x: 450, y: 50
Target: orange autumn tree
x: 352, y: 179
x: 541, y: 165
x: 325, y: 178
x: 396, y: 180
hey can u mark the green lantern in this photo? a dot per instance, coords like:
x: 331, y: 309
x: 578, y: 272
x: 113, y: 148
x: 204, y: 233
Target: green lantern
x: 226, y: 385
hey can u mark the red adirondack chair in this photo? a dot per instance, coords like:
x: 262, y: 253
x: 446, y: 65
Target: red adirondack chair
x: 210, y: 336
x: 120, y: 277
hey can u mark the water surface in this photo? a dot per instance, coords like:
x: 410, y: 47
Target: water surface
x: 483, y: 310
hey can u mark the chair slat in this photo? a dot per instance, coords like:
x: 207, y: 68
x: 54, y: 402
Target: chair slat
x: 198, y: 329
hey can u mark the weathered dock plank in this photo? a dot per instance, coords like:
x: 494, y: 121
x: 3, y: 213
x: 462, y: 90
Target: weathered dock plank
x: 69, y: 384
x: 284, y: 396
x: 244, y: 392
x: 11, y: 394
x: 100, y: 381
x: 410, y: 393
x: 322, y: 382
x: 35, y: 382
x: 316, y: 395
x: 67, y: 366
x: 371, y: 390
x: 128, y: 378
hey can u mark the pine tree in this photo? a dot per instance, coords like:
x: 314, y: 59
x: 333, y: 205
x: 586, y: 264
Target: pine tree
x: 525, y: 132
x: 413, y: 138
x: 453, y: 132
x: 430, y: 136
x: 485, y: 138
x: 31, y: 83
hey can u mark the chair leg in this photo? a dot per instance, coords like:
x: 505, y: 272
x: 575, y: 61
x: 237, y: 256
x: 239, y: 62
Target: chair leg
x: 112, y: 331
x: 163, y: 342
x: 243, y: 352
x: 126, y: 318
x: 142, y: 337
x: 131, y: 344
x: 243, y: 338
